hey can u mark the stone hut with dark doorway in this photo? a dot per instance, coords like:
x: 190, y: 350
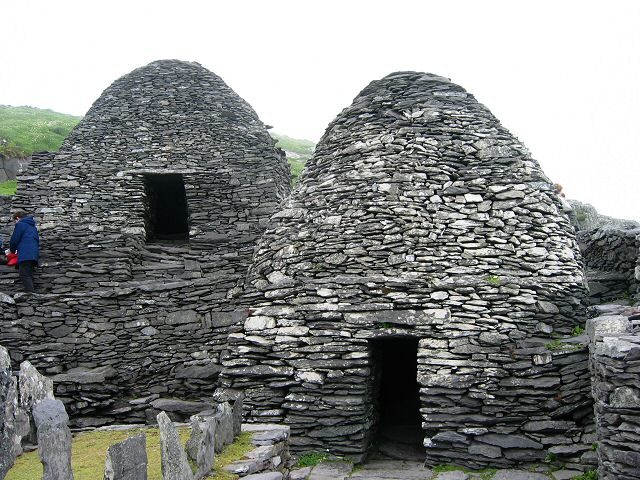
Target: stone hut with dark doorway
x: 411, y: 289
x: 148, y: 217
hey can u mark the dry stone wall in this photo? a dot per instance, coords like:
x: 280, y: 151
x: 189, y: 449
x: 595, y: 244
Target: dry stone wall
x: 123, y: 316
x: 419, y: 216
x: 611, y: 257
x: 615, y: 363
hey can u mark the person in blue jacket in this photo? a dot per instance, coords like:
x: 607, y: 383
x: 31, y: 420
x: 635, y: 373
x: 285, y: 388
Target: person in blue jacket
x: 26, y: 243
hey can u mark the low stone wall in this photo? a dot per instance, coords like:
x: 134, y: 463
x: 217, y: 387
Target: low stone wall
x: 615, y: 363
x: 611, y: 257
x: 120, y: 355
x: 271, y: 453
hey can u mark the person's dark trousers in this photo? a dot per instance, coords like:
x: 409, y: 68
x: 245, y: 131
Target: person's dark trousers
x: 25, y: 271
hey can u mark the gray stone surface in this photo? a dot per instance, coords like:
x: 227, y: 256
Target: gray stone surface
x: 205, y: 458
x: 195, y: 439
x: 175, y: 465
x: 518, y: 475
x: 331, y: 471
x: 224, y: 426
x: 127, y: 460
x: 237, y: 414
x: 299, y: 473
x: 615, y: 363
x: 265, y: 476
x: 8, y: 403
x: 54, y: 439
x: 457, y: 475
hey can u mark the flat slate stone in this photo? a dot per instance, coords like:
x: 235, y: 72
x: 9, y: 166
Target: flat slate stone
x: 392, y: 470
x: 331, y: 471
x: 518, y: 475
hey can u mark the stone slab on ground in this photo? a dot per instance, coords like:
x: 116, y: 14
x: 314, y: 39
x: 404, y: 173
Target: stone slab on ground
x: 392, y: 469
x: 265, y: 476
x: 565, y: 474
x: 518, y: 475
x: 331, y: 471
x: 300, y: 473
x: 455, y: 475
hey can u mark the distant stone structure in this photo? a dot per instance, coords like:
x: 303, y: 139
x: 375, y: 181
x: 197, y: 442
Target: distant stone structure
x: 148, y: 217
x: 418, y: 276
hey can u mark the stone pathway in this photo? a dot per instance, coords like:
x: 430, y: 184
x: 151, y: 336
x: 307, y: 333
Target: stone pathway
x: 411, y: 470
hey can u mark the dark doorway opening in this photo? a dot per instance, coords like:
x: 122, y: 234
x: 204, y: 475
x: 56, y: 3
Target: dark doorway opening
x: 399, y: 432
x: 166, y: 208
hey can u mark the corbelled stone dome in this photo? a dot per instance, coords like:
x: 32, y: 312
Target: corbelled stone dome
x: 420, y: 225
x: 169, y: 139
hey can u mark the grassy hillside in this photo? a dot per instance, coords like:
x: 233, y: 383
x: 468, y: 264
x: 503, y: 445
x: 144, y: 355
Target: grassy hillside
x: 298, y: 152
x: 24, y: 130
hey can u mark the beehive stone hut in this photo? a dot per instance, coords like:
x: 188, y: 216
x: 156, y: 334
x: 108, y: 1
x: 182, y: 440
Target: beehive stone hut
x: 148, y: 217
x: 415, y: 280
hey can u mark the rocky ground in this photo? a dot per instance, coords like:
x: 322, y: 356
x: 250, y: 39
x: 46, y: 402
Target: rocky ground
x: 387, y: 469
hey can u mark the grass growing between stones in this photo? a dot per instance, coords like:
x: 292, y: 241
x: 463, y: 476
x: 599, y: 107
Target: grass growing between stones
x: 8, y: 187
x: 310, y: 459
x: 89, y: 450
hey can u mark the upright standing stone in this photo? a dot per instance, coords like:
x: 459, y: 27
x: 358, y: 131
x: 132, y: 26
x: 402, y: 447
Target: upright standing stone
x: 195, y: 439
x: 237, y: 415
x: 175, y: 465
x: 205, y: 457
x: 7, y: 405
x: 127, y: 460
x: 224, y: 427
x: 54, y: 439
x: 33, y: 387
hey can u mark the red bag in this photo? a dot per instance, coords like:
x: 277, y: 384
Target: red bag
x: 12, y: 259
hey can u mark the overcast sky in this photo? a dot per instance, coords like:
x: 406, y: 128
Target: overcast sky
x: 563, y: 76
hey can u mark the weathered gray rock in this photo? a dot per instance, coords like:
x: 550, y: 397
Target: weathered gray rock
x: 127, y: 460
x: 518, y: 475
x: 205, y: 458
x: 455, y: 475
x: 237, y: 414
x: 175, y: 465
x: 265, y: 476
x: 54, y: 439
x: 195, y: 439
x: 34, y: 386
x: 224, y: 426
x: 7, y: 413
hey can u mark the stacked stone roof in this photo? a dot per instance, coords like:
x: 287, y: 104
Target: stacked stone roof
x: 166, y: 117
x: 419, y: 215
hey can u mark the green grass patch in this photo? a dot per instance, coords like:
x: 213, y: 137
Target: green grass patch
x: 311, y: 459
x: 297, y: 165
x: 557, y: 346
x: 590, y: 475
x: 493, y: 280
x: 577, y: 331
x: 25, y: 130
x: 8, y: 187
x: 89, y: 450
